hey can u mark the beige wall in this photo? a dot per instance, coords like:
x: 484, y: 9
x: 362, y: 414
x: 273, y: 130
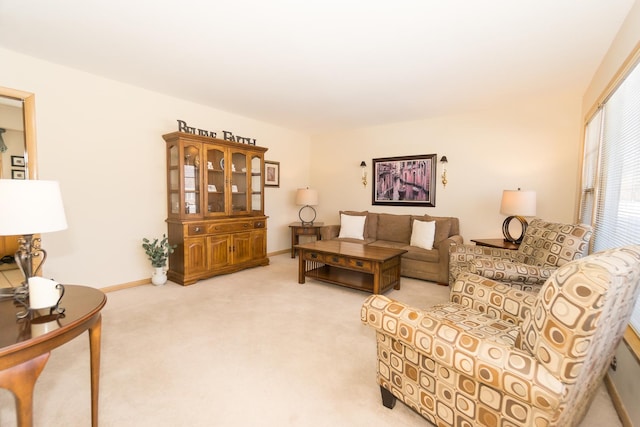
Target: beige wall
x: 532, y: 145
x: 625, y: 378
x: 102, y: 140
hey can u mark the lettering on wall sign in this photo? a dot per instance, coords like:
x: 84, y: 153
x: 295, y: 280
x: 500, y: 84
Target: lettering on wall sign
x: 228, y: 136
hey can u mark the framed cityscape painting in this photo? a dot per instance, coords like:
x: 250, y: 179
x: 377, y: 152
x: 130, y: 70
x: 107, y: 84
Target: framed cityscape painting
x: 405, y: 181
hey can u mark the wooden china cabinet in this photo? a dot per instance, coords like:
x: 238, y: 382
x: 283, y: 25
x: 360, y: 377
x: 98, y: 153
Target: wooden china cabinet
x: 215, y: 204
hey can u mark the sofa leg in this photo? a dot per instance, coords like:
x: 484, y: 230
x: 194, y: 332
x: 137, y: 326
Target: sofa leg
x: 388, y: 399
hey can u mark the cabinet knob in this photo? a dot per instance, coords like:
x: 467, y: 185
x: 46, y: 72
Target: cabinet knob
x: 197, y: 229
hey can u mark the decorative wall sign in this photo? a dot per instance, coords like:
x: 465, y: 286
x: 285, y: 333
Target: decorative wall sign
x: 405, y: 181
x: 271, y: 174
x: 227, y: 136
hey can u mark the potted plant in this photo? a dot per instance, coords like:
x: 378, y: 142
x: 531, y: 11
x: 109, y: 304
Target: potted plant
x: 158, y: 252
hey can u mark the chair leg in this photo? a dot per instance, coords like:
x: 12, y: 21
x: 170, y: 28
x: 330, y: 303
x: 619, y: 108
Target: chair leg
x: 388, y: 399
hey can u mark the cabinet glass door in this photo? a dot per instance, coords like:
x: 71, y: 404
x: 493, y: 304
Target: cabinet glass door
x: 173, y: 179
x: 240, y: 188
x: 215, y: 182
x: 256, y: 184
x: 191, y: 180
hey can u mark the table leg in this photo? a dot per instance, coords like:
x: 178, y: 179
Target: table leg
x: 377, y: 272
x: 95, y: 333
x: 20, y: 380
x: 301, y: 267
x: 294, y: 242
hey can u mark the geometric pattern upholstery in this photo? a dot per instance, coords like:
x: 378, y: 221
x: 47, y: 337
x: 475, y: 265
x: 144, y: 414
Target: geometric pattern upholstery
x: 545, y: 247
x: 499, y: 356
x: 550, y: 244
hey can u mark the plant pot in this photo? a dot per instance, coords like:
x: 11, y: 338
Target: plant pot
x: 159, y: 276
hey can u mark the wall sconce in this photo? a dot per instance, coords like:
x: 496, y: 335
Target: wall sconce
x: 363, y: 166
x: 444, y: 162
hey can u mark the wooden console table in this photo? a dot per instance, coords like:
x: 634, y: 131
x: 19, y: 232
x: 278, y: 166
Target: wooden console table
x: 367, y: 268
x: 298, y: 229
x: 25, y: 344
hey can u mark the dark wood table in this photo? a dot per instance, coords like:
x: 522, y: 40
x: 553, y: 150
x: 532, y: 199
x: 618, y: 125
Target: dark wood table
x: 354, y: 265
x: 496, y: 243
x: 25, y: 344
x: 298, y: 229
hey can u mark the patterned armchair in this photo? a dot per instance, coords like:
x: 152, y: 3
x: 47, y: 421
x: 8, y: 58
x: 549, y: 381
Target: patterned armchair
x: 499, y: 356
x: 545, y: 247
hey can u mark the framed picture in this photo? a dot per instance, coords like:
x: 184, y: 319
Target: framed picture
x: 17, y: 174
x: 271, y: 174
x: 405, y: 181
x: 17, y: 161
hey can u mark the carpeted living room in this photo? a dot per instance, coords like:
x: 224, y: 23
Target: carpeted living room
x: 252, y: 348
x: 380, y: 144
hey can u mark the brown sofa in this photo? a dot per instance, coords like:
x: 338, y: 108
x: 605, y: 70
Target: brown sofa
x: 394, y: 231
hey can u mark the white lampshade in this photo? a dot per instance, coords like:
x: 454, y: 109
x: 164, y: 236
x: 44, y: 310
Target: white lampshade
x: 306, y: 197
x: 518, y: 203
x: 30, y: 207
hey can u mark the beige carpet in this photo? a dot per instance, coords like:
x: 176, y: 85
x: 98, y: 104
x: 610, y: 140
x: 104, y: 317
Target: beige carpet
x: 250, y: 349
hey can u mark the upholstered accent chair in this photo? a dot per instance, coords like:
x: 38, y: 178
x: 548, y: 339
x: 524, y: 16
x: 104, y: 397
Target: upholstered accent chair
x: 545, y: 247
x: 499, y: 356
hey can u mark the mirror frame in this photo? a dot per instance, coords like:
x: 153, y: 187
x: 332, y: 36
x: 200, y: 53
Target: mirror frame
x: 29, y: 115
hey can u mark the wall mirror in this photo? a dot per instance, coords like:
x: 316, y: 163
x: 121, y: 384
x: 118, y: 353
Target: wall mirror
x: 17, y: 161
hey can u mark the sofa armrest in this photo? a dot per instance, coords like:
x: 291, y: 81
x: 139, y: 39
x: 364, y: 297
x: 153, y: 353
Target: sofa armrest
x: 443, y: 257
x: 461, y: 255
x: 328, y: 232
x: 498, y: 300
x: 511, y: 272
x: 464, y: 349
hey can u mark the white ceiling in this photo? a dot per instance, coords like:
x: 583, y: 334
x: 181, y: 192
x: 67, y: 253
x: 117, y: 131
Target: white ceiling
x: 319, y: 65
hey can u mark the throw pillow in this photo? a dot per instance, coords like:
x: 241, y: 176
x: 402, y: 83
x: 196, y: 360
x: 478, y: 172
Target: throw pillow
x: 423, y: 233
x: 352, y: 227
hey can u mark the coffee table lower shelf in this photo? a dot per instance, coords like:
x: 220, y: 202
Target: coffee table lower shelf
x: 340, y: 276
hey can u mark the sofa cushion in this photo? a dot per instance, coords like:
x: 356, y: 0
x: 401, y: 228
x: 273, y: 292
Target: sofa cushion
x: 422, y: 234
x: 444, y: 227
x: 370, y: 224
x: 352, y: 226
x: 394, y: 228
x: 419, y: 254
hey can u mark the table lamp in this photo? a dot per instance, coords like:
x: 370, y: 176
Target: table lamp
x: 30, y: 207
x: 517, y: 204
x: 306, y: 198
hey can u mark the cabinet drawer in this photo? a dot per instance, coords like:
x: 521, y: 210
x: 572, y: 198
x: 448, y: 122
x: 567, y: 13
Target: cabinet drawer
x: 314, y: 256
x: 230, y: 227
x: 197, y: 229
x: 306, y: 231
x: 360, y: 264
x: 259, y: 224
x: 336, y: 260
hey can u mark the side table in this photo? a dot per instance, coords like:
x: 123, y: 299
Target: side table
x: 297, y: 230
x: 25, y: 344
x: 496, y: 243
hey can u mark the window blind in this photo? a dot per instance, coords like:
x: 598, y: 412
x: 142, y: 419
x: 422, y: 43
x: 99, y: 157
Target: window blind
x: 610, y: 199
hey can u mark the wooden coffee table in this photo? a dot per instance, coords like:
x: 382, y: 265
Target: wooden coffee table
x: 367, y: 268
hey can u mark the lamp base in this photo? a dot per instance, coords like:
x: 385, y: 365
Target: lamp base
x: 307, y: 221
x: 505, y: 229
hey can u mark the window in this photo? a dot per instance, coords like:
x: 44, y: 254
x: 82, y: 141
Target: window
x: 610, y: 197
